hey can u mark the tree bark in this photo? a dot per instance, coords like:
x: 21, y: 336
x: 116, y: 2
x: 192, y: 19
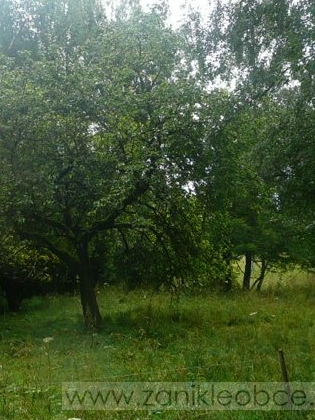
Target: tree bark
x: 91, y: 312
x: 259, y: 282
x: 13, y: 294
x: 248, y: 270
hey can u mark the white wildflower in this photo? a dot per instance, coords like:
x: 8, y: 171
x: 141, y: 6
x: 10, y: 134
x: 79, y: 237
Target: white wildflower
x: 47, y: 340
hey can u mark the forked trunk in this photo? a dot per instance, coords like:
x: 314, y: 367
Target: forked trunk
x: 259, y: 282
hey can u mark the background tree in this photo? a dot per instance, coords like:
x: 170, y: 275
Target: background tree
x: 262, y: 51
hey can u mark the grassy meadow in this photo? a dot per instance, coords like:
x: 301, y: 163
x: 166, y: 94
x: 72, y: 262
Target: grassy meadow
x: 152, y: 337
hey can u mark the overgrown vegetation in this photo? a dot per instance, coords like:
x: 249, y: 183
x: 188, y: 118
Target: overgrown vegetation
x: 124, y: 159
x: 163, y: 162
x: 149, y: 337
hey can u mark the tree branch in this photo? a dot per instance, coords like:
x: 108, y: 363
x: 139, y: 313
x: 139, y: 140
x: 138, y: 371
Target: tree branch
x: 53, y: 223
x: 108, y: 223
x: 46, y: 243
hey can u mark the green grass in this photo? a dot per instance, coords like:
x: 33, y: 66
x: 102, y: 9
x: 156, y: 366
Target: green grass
x: 152, y: 338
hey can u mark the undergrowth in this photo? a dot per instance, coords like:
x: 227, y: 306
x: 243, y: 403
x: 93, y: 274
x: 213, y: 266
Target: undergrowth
x: 150, y: 337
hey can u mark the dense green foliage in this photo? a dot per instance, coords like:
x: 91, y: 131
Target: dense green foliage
x: 140, y: 163
x: 124, y: 160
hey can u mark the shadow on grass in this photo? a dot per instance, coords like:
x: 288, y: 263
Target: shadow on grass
x: 60, y: 317
x: 41, y: 317
x: 166, y: 323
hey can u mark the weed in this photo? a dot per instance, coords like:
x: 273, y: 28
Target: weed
x: 201, y: 338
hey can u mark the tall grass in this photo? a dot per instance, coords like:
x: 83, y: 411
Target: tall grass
x: 149, y: 337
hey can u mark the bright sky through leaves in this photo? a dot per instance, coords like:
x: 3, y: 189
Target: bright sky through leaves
x: 176, y: 7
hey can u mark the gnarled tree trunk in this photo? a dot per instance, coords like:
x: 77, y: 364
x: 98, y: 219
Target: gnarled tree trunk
x: 91, y: 313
